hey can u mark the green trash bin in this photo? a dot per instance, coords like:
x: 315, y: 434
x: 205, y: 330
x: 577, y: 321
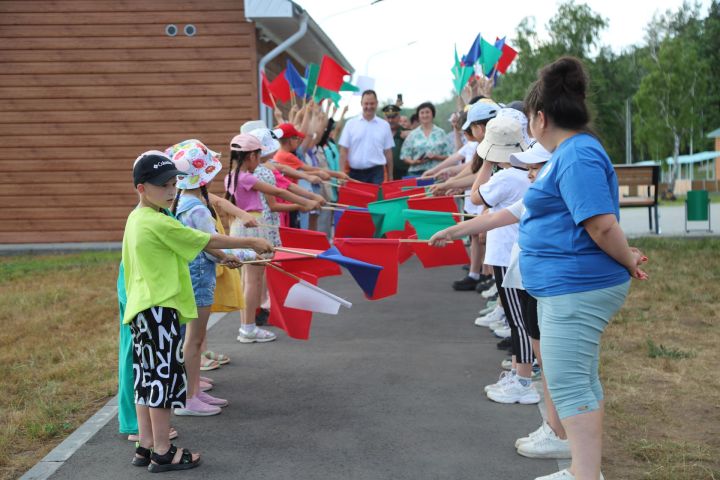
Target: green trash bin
x: 697, y: 208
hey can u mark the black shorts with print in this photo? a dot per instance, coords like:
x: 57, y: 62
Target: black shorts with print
x: 158, y: 364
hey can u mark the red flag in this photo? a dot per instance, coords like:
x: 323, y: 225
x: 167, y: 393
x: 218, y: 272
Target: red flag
x: 331, y: 74
x: 295, y: 322
x: 370, y: 188
x: 396, y: 186
x: 355, y: 224
x: 377, y: 251
x: 280, y: 88
x: 307, y: 239
x: 508, y: 55
x: 355, y: 197
x: 452, y: 254
x: 436, y: 204
x: 402, y: 193
x: 405, y: 251
x: 267, y: 97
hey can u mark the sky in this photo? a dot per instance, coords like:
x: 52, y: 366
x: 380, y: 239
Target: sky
x: 407, y: 45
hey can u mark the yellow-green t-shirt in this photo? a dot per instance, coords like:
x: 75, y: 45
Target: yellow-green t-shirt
x: 155, y: 254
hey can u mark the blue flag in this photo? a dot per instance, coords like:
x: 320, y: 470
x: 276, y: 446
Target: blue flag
x: 474, y: 52
x: 365, y: 274
x: 296, y: 81
x: 499, y: 43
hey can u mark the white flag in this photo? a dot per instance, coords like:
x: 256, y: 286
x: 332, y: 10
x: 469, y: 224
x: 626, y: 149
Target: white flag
x: 306, y: 296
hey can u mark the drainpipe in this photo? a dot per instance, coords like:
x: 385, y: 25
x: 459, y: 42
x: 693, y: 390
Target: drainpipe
x: 264, y: 111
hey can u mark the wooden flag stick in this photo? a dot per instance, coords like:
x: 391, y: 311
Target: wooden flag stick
x: 297, y: 252
x: 333, y: 209
x: 412, y: 240
x: 258, y: 262
x: 293, y: 276
x: 461, y: 196
x: 417, y: 195
x: 467, y: 215
x: 332, y: 204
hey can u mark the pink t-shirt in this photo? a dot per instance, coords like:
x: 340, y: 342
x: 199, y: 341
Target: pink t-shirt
x: 245, y: 197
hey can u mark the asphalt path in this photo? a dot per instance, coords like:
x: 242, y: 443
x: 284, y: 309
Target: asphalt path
x: 390, y: 389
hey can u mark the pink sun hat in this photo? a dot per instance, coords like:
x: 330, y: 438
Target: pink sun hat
x: 199, y: 163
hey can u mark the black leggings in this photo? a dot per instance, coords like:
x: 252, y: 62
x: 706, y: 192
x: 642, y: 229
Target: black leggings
x: 512, y: 305
x: 529, y: 311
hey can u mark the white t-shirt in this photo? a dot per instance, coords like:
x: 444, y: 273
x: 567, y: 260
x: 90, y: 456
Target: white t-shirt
x: 468, y: 151
x: 366, y: 141
x: 502, y: 190
x: 512, y: 278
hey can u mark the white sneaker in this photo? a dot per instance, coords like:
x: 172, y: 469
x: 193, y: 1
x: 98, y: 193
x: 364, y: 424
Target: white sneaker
x: 544, y: 444
x: 496, y: 315
x: 489, y: 307
x: 531, y: 435
x: 514, y: 392
x: 503, y: 332
x: 562, y: 475
x: 499, y: 324
x: 502, y: 380
x: 490, y: 292
x: 258, y: 335
x: 506, y: 364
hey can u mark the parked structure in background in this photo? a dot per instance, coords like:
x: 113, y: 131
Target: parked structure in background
x: 87, y: 86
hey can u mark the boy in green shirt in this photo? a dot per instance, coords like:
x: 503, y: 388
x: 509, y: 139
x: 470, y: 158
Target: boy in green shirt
x: 155, y: 255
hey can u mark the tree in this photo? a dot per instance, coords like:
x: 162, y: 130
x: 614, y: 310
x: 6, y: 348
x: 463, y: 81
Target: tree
x: 674, y: 94
x: 671, y: 98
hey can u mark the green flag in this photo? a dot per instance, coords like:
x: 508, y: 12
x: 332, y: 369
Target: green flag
x: 349, y: 87
x: 461, y: 74
x: 489, y: 56
x: 427, y: 223
x: 322, y: 93
x: 392, y: 210
x: 311, y: 76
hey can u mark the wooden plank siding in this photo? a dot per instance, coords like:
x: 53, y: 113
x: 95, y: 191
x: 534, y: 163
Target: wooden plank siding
x: 87, y: 85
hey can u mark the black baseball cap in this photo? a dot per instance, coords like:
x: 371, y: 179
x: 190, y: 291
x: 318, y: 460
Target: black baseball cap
x: 154, y: 167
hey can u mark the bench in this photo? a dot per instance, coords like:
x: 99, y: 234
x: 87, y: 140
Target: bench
x: 639, y: 187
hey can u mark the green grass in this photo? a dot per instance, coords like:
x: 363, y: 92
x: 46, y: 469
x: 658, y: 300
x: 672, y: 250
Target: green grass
x: 18, y: 267
x: 680, y: 200
x: 661, y: 351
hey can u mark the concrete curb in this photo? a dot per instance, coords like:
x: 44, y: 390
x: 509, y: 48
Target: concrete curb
x: 60, y: 454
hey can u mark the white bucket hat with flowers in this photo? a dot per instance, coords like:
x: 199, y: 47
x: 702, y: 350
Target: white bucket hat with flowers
x: 199, y: 163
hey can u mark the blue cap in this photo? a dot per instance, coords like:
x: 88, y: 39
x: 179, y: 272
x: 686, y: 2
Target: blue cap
x: 480, y: 111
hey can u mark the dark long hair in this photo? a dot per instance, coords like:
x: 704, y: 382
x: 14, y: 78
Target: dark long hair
x: 204, y: 192
x: 239, y: 158
x: 559, y: 92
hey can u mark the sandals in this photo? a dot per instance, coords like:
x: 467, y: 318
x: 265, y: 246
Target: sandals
x: 163, y: 463
x: 222, y: 359
x: 142, y: 456
x: 207, y: 364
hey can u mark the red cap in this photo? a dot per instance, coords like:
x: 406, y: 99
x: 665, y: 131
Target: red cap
x: 289, y: 130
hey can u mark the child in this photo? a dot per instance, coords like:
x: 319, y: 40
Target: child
x: 192, y: 207
x: 550, y: 440
x: 244, y: 189
x: 155, y: 254
x: 504, y: 137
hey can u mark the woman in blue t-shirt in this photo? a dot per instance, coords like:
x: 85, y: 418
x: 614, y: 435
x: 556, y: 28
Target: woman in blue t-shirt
x: 575, y: 258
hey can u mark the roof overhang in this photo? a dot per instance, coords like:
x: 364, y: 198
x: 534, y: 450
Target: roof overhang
x: 279, y: 19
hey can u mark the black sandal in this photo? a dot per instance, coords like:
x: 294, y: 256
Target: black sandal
x: 163, y: 463
x: 144, y: 459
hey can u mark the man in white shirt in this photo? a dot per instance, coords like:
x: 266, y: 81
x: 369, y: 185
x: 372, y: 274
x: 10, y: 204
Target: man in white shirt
x: 366, y: 144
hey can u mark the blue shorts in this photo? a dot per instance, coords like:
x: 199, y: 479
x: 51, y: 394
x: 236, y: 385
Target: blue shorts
x: 202, y: 274
x: 570, y: 329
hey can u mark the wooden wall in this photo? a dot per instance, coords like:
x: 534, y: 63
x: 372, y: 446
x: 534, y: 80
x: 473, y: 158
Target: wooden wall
x: 87, y: 85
